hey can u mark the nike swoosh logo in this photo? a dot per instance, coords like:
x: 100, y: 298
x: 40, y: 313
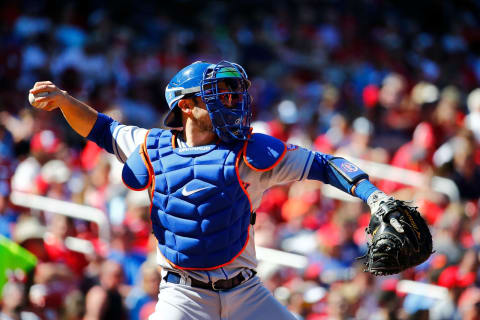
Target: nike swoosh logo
x: 187, y: 193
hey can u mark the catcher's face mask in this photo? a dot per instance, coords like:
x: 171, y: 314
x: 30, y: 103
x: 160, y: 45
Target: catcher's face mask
x: 224, y: 90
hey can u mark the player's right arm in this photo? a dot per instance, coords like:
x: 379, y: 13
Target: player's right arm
x: 79, y: 116
x: 107, y: 133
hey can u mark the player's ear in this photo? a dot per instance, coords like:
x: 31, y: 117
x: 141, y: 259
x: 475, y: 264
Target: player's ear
x: 186, y: 105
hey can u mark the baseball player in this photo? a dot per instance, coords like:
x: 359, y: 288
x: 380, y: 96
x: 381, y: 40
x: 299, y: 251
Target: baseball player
x: 206, y: 176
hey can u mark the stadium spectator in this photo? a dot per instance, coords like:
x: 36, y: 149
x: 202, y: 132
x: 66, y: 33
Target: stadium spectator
x: 105, y: 301
x: 55, y: 239
x: 146, y: 292
x: 14, y: 307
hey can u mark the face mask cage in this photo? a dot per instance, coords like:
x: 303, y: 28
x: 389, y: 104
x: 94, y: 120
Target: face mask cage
x: 224, y: 90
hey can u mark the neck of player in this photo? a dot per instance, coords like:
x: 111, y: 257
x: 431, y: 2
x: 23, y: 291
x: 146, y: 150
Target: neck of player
x: 195, y: 136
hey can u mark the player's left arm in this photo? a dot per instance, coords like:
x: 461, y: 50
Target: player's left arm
x: 299, y: 164
x: 399, y: 236
x: 280, y: 163
x: 342, y: 174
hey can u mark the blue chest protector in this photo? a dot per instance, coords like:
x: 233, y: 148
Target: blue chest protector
x: 200, y: 213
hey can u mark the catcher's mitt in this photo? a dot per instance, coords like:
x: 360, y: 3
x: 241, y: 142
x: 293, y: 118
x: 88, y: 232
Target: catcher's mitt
x: 400, y: 238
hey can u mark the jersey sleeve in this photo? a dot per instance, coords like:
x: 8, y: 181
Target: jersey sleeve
x: 294, y: 166
x: 116, y: 138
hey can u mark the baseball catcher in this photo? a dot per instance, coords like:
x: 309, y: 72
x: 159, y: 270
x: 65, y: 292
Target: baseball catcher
x: 207, y: 172
x: 399, y: 236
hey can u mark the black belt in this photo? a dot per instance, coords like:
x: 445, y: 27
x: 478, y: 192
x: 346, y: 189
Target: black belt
x: 218, y: 285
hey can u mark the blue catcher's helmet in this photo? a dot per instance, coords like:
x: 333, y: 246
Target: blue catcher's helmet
x: 223, y: 88
x: 186, y: 82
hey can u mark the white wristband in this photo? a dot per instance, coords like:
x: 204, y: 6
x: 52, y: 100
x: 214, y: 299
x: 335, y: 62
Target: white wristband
x: 375, y: 199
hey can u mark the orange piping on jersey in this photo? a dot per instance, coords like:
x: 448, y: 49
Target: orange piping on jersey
x: 146, y: 159
x: 266, y: 169
x: 147, y: 164
x: 352, y: 189
x: 150, y: 171
x: 237, y: 163
x: 174, y: 137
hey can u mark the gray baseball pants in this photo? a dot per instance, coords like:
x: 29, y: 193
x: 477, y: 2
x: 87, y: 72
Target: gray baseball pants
x: 249, y: 300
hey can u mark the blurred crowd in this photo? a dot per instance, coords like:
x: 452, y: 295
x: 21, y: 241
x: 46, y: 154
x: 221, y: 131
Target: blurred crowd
x: 393, y: 83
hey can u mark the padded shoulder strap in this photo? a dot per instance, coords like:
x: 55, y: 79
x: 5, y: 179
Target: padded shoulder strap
x: 263, y: 152
x: 135, y: 174
x: 156, y: 138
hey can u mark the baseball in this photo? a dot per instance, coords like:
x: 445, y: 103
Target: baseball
x: 31, y: 99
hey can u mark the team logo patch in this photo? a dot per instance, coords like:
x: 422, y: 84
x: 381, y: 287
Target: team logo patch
x: 348, y: 167
x: 291, y: 147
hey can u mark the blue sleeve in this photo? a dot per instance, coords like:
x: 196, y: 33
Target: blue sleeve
x: 135, y: 173
x: 102, y: 132
x: 323, y: 170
